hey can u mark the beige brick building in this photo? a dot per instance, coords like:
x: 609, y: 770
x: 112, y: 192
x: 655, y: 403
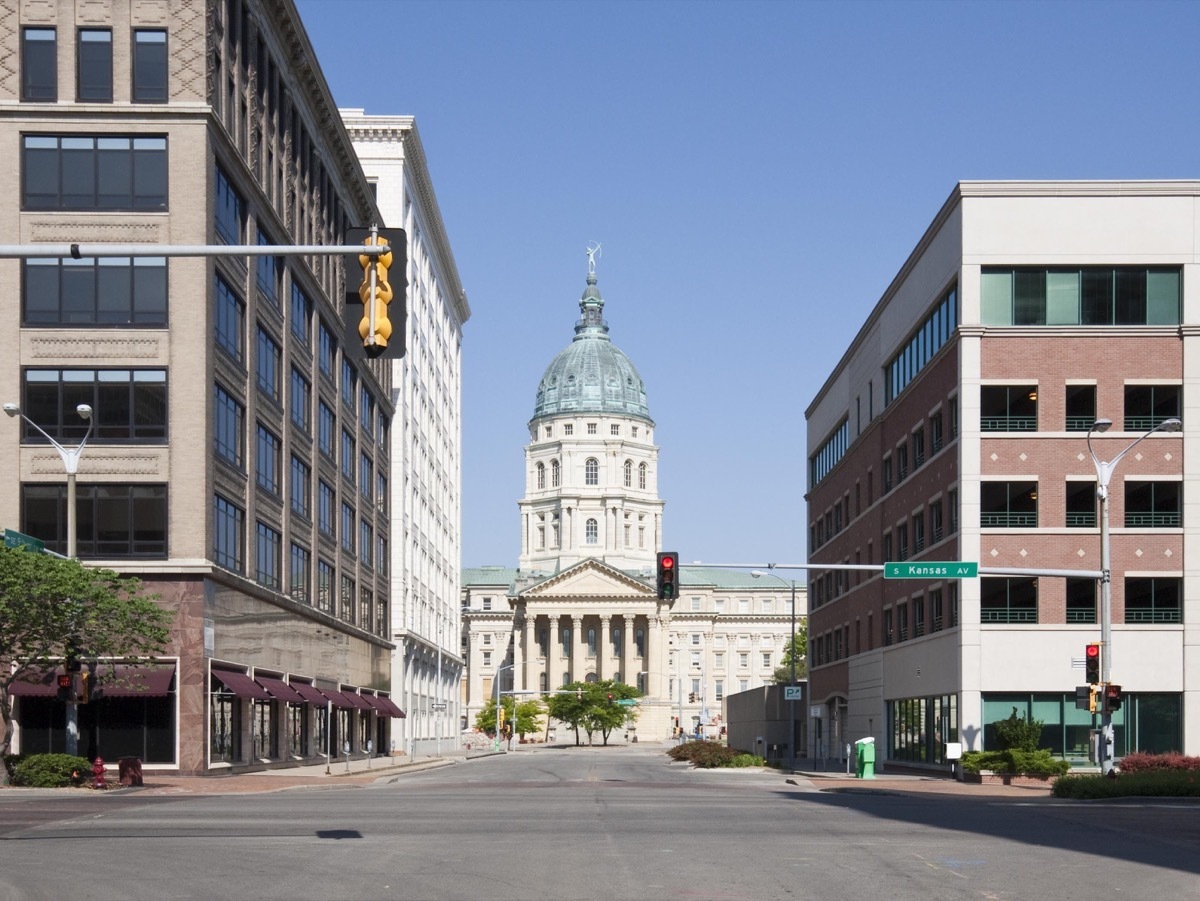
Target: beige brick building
x: 240, y: 458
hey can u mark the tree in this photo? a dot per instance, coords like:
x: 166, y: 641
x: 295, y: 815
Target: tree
x: 50, y: 606
x: 592, y: 707
x: 527, y: 716
x: 797, y: 646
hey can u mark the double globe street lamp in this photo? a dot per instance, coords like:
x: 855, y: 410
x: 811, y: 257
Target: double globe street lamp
x: 1104, y: 473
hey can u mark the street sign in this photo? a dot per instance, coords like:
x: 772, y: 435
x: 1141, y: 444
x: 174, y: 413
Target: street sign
x: 13, y: 538
x: 793, y: 693
x: 931, y: 569
x: 627, y: 702
x: 437, y: 708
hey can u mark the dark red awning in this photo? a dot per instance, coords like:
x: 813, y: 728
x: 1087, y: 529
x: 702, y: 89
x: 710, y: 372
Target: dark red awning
x: 241, y: 685
x: 338, y: 699
x: 279, y: 689
x: 310, y: 693
x: 356, y: 700
x: 388, y: 706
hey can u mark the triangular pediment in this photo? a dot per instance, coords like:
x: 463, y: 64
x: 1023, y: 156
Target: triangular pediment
x: 590, y: 578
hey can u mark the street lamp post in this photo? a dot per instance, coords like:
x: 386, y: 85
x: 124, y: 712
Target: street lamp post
x: 792, y: 651
x: 496, y: 692
x: 1104, y: 472
x: 70, y: 458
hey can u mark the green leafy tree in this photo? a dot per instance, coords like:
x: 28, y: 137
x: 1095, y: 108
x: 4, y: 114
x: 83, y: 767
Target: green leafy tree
x: 528, y: 713
x: 591, y: 707
x: 1017, y: 733
x: 49, y: 605
x: 797, y: 647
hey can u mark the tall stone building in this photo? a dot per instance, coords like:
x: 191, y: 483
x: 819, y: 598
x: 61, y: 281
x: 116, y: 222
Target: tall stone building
x: 582, y: 604
x: 240, y: 458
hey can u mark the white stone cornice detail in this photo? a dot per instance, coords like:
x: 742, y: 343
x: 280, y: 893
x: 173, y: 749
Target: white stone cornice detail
x: 75, y: 347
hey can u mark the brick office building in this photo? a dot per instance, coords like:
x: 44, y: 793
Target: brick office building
x: 955, y: 428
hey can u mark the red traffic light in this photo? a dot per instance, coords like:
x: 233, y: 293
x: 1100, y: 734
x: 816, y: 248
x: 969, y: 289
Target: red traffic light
x: 668, y: 562
x: 64, y: 681
x: 1091, y: 663
x: 1093, y: 650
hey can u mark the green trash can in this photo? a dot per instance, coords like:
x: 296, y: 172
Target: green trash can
x: 864, y: 758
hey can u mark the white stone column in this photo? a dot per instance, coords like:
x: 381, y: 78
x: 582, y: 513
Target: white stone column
x: 630, y: 665
x: 578, y: 653
x: 518, y: 670
x: 603, y: 665
x: 531, y: 651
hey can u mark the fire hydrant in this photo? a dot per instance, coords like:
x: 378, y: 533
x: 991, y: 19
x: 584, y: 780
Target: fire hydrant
x: 98, y: 773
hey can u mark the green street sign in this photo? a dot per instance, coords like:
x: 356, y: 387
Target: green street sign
x: 627, y: 702
x: 13, y: 538
x: 931, y: 569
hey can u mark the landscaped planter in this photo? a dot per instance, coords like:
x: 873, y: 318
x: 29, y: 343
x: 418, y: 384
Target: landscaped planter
x: 1021, y: 780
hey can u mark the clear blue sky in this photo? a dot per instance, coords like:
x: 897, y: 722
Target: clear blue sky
x: 756, y: 172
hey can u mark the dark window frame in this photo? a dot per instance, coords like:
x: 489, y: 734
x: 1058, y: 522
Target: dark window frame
x: 99, y: 519
x: 94, y: 65
x: 51, y: 395
x: 149, y: 66
x: 39, y: 64
x: 65, y: 172
x: 103, y: 292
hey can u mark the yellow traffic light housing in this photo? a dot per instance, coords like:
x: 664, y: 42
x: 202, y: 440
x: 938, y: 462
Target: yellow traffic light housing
x: 375, y: 292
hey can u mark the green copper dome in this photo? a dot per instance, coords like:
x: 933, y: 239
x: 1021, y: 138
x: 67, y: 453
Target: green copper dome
x: 591, y: 374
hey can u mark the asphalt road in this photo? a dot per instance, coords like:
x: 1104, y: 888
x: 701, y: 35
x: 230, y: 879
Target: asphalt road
x: 582, y: 824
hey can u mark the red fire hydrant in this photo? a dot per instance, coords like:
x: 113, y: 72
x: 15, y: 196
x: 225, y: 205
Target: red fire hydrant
x: 98, y: 773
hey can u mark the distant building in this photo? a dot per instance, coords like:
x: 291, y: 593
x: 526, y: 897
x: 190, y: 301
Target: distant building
x: 424, y: 494
x: 242, y: 441
x: 955, y: 428
x: 582, y: 604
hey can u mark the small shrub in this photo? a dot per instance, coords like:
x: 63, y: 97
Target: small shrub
x: 685, y: 750
x: 51, y: 771
x: 1146, y: 784
x: 1034, y: 763
x: 1141, y: 762
x: 1017, y: 733
x: 745, y: 759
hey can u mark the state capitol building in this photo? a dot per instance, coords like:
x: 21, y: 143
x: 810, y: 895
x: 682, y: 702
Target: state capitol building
x: 582, y: 606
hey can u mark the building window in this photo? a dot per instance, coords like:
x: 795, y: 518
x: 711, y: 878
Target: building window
x: 230, y: 315
x: 541, y: 475
x: 366, y: 411
x: 269, y: 273
x: 266, y: 556
x: 39, y: 65
x: 642, y: 475
x: 918, y: 609
x: 300, y: 401
x: 1155, y: 600
x: 348, y: 455
x: 887, y: 474
x: 1122, y: 295
x: 346, y: 601
x: 366, y: 605
x: 79, y: 172
x: 901, y: 545
x: 366, y: 476
x: 366, y: 543
x: 952, y: 507
x: 936, y: 613
x: 229, y: 533
x: 568, y: 429
x: 1149, y: 406
x: 347, y: 528
x: 229, y: 211
x: 324, y: 586
x: 112, y: 520
x: 902, y: 622
x: 555, y: 472
x: 1008, y: 408
x: 1081, y: 505
x: 918, y: 531
x: 116, y: 291
x: 614, y: 429
x: 921, y: 346
x: 639, y: 642
x: 301, y: 487
x: 1008, y: 600
x: 229, y: 423
x: 889, y: 634
x: 326, y: 351
x: 300, y: 573
x: 591, y: 471
x: 267, y: 460
x: 902, y: 462
x: 743, y: 660
x: 128, y: 405
x: 268, y: 364
x: 94, y: 62
x: 1080, y: 407
x: 1008, y: 505
x: 628, y: 473
x: 326, y: 427
x: 1081, y: 600
x: 326, y: 497
x: 1155, y: 505
x: 591, y: 428
x: 935, y: 431
x: 149, y: 65
x: 301, y: 316
x: 349, y: 383
x: 591, y: 531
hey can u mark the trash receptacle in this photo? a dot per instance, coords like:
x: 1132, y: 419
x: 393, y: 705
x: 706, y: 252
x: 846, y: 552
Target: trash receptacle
x: 864, y: 758
x: 129, y: 770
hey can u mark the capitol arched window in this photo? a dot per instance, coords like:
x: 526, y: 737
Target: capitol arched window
x: 591, y: 642
x: 628, y: 473
x: 642, y: 476
x: 591, y: 471
x: 554, y: 470
x: 541, y: 475
x: 591, y: 531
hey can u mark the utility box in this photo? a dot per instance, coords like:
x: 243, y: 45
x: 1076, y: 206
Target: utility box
x: 864, y: 758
